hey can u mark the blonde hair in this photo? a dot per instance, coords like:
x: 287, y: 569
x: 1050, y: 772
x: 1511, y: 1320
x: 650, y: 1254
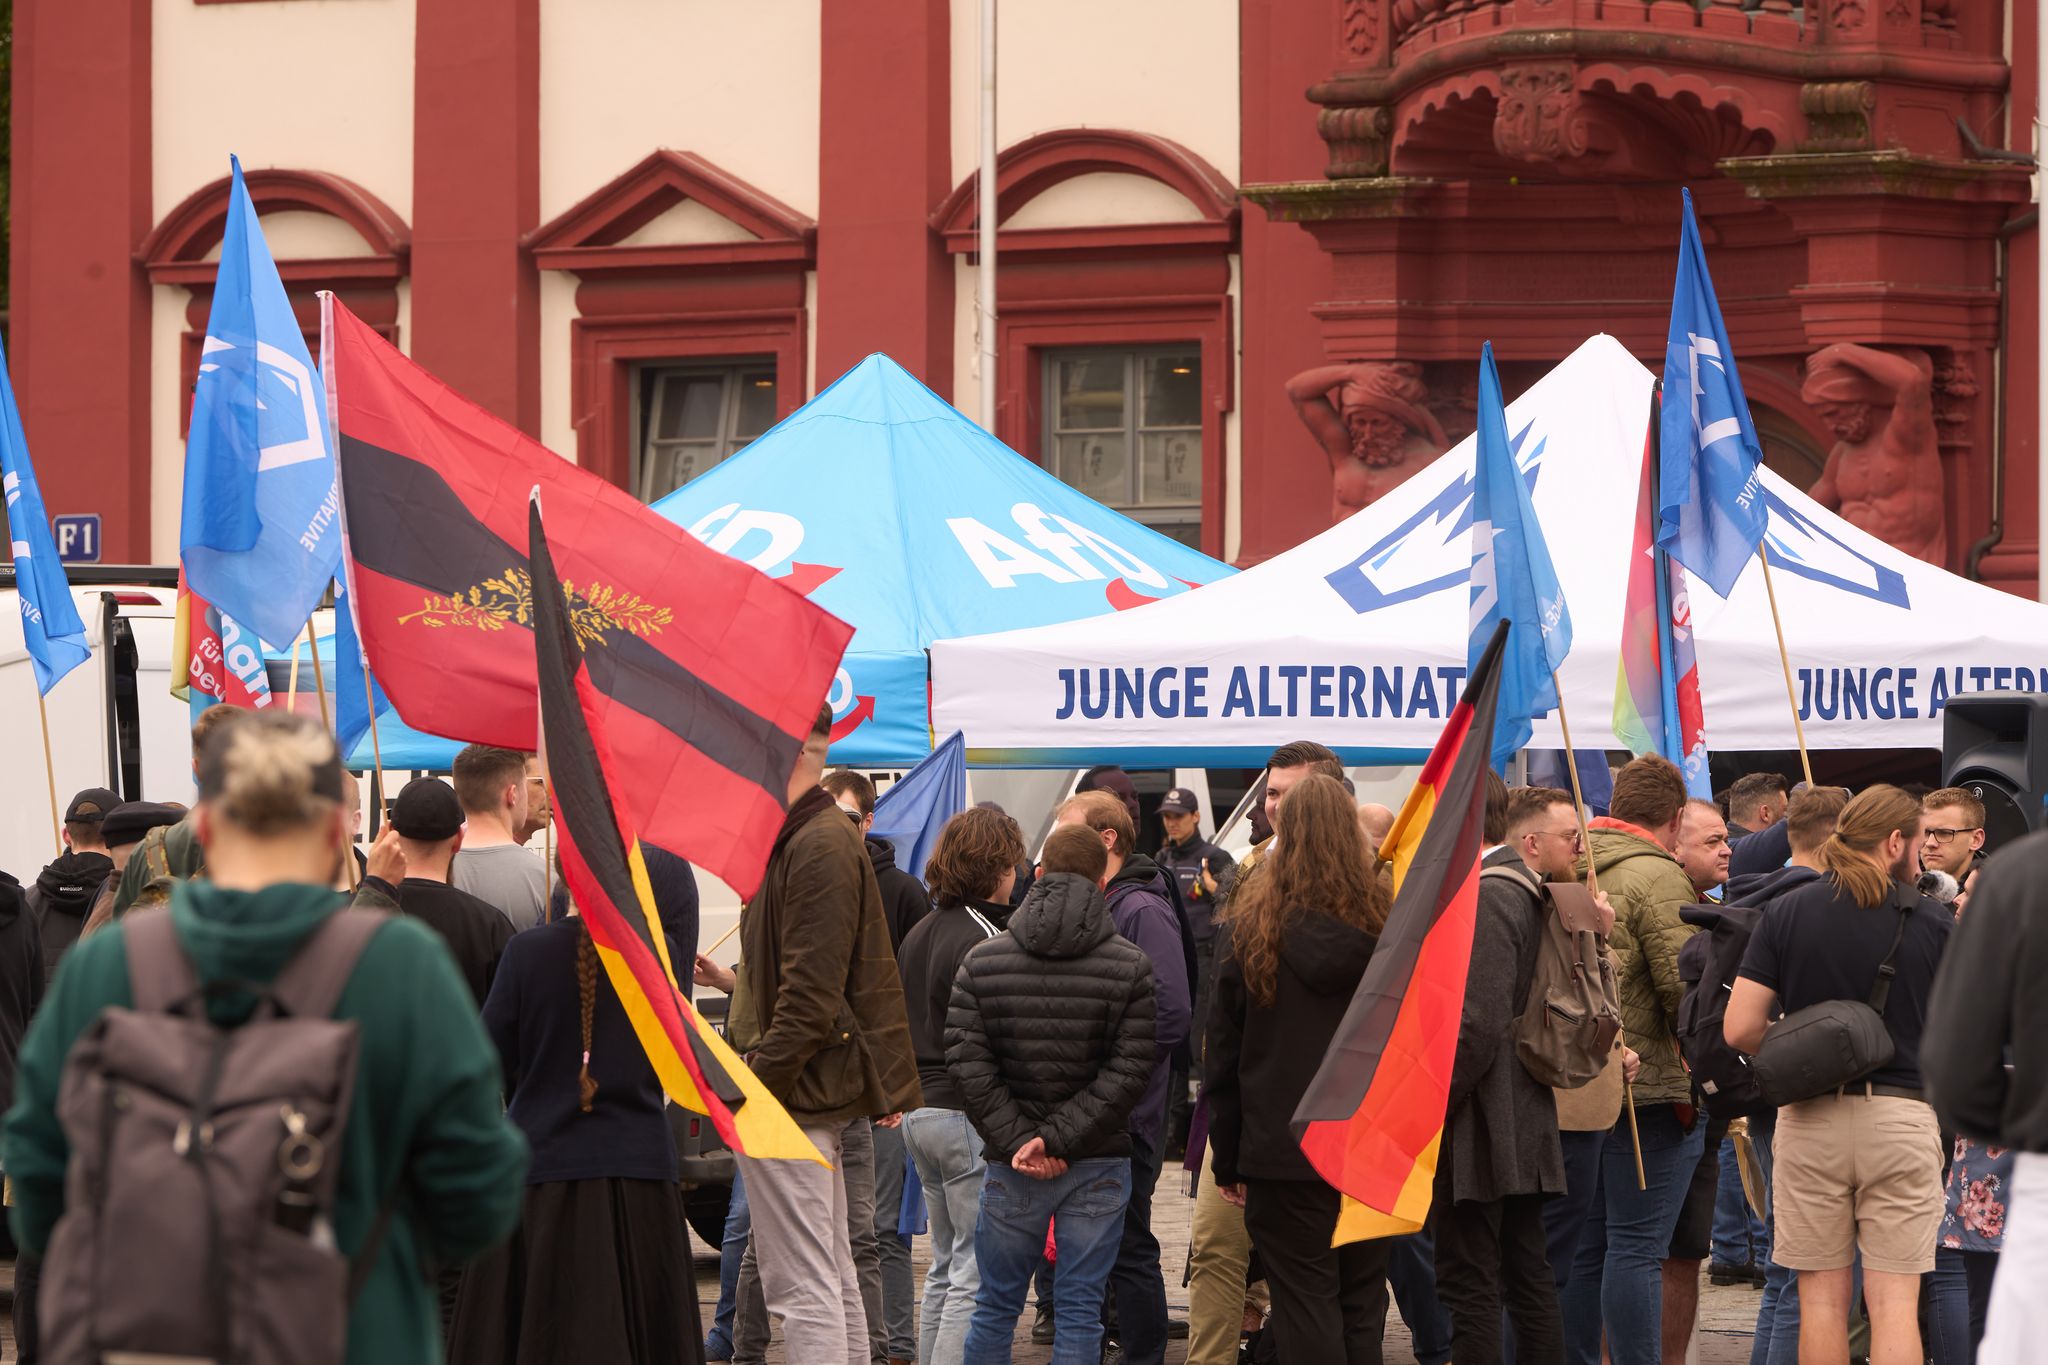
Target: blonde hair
x: 270, y: 772
x: 1871, y: 817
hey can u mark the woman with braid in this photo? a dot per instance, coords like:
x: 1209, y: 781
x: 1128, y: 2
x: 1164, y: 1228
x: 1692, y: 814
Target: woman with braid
x: 600, y: 1267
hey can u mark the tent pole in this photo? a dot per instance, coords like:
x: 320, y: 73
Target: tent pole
x: 985, y: 222
x: 1785, y: 661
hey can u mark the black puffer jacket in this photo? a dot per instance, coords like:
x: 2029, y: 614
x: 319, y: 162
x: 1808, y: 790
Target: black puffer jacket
x: 1050, y: 1030
x: 1261, y: 1058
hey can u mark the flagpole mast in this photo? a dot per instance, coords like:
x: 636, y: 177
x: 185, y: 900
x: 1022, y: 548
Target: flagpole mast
x: 1785, y: 662
x: 1571, y: 763
x: 319, y: 676
x: 291, y: 696
x: 985, y: 223
x: 50, y: 773
x: 370, y: 709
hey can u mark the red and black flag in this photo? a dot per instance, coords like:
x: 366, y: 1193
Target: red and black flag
x: 606, y: 876
x: 1373, y: 1118
x: 708, y: 673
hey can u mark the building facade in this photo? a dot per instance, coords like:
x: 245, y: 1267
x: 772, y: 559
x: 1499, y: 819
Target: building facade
x: 1247, y: 249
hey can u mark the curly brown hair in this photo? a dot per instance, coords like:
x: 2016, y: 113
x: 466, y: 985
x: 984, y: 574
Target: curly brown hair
x: 975, y: 848
x: 1320, y: 867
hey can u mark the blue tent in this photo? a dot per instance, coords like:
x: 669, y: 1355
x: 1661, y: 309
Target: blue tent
x: 904, y: 518
x: 402, y: 746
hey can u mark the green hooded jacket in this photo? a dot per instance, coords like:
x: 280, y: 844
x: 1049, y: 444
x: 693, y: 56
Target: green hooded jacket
x: 1647, y: 888
x: 426, y: 1110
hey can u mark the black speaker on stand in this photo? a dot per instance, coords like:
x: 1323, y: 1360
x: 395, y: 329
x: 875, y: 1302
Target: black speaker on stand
x: 1995, y: 746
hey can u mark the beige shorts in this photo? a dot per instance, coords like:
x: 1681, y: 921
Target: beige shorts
x: 1856, y: 1173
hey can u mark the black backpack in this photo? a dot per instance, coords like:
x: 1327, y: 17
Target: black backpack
x: 1707, y: 965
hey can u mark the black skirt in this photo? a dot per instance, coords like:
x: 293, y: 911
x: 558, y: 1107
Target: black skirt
x: 598, y: 1270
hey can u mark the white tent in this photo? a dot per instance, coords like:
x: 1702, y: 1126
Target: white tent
x: 1357, y: 637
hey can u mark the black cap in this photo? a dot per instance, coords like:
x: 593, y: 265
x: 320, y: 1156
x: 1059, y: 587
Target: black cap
x: 127, y: 823
x: 1179, y: 801
x: 91, y: 804
x: 427, y: 811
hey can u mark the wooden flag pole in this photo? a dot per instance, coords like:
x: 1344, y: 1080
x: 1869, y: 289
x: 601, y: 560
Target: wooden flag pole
x: 1571, y: 763
x: 319, y: 676
x: 722, y: 938
x: 370, y: 708
x: 547, y: 857
x: 291, y: 696
x: 50, y: 774
x: 1785, y: 661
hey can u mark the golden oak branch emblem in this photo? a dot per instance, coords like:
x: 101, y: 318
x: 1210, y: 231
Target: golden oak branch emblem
x: 595, y: 613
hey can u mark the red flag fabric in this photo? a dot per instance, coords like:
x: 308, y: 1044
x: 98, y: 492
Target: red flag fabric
x: 708, y: 673
x: 607, y: 879
x: 1372, y: 1120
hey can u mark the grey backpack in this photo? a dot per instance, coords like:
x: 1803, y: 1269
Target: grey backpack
x: 204, y: 1160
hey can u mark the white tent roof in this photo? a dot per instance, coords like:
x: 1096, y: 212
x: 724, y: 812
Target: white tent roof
x: 1357, y: 637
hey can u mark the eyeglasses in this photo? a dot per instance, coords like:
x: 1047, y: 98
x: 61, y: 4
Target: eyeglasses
x: 1942, y: 836
x: 1570, y: 836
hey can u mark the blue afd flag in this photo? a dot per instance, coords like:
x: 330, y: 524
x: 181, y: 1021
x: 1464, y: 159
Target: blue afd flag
x: 261, y: 533
x: 1710, y: 509
x: 1512, y: 577
x: 917, y: 806
x: 49, y: 618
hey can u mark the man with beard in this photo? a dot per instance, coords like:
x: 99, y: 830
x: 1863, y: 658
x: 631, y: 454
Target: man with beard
x: 1884, y: 474
x: 1370, y: 422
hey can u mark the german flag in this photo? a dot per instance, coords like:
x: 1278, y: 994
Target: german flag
x: 707, y: 672
x: 1372, y: 1119
x: 603, y: 869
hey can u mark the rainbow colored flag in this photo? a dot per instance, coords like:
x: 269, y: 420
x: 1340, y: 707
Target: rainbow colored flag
x: 1372, y: 1120
x: 1657, y: 706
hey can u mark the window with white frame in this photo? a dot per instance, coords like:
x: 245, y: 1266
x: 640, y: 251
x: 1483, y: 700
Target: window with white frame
x: 1125, y: 427
x: 694, y: 415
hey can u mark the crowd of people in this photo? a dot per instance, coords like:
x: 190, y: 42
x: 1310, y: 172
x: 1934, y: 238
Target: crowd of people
x: 477, y: 1157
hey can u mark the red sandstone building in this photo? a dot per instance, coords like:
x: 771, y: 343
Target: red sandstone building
x: 644, y: 229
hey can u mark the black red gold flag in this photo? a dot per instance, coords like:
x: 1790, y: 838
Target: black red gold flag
x: 708, y: 673
x: 607, y: 879
x: 1372, y: 1120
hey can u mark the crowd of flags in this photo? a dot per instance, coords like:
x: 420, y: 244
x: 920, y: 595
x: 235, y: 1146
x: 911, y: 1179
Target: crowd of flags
x: 367, y: 473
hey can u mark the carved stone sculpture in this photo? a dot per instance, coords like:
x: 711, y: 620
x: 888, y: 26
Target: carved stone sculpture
x: 1369, y: 419
x: 1884, y: 474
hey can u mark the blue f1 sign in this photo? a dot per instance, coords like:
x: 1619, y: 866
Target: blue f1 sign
x: 78, y: 538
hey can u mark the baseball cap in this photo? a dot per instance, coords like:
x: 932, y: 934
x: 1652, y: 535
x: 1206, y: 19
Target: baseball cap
x: 426, y: 810
x: 91, y: 804
x: 129, y: 821
x: 1179, y: 801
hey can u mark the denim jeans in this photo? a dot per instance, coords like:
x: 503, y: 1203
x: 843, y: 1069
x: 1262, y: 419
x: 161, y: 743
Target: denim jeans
x: 1009, y: 1238
x: 947, y: 1151
x: 1959, y: 1295
x: 1411, y: 1274
x: 898, y: 1321
x: 1738, y: 1232
x: 1777, y: 1318
x: 1617, y: 1280
x: 731, y: 1250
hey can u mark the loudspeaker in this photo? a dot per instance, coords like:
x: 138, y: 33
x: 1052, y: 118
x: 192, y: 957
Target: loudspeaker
x: 1995, y: 746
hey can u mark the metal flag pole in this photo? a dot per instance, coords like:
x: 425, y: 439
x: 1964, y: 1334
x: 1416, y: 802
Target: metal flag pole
x: 985, y: 222
x: 1785, y: 662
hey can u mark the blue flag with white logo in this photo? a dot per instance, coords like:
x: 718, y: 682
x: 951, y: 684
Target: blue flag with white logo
x: 50, y: 626
x: 1710, y: 505
x: 261, y: 532
x: 1512, y: 578
x: 917, y: 805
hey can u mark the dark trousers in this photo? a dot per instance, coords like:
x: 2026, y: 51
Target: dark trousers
x: 1137, y: 1285
x: 1564, y: 1215
x: 1492, y: 1254
x: 1329, y: 1303
x: 28, y: 1280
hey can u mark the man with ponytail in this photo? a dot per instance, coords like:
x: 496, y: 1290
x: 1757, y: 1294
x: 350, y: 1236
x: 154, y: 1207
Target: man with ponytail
x: 1855, y: 1171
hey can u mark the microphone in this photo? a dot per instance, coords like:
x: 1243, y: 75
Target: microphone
x: 1938, y: 884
